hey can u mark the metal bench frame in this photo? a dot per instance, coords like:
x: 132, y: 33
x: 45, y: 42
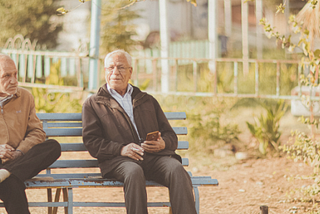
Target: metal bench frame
x: 70, y: 125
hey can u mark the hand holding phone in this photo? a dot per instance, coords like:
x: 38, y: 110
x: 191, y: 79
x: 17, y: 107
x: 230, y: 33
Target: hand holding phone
x: 154, y: 142
x: 152, y: 136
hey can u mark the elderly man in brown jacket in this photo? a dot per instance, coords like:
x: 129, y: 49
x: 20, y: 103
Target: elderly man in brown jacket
x: 23, y: 149
x: 116, y: 121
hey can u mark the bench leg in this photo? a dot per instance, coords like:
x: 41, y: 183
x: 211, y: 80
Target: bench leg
x: 197, y: 198
x: 70, y: 201
x: 49, y: 195
x: 65, y: 199
x: 56, y: 199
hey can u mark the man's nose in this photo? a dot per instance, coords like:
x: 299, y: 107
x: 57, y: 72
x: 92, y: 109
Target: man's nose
x: 13, y: 79
x: 116, y: 70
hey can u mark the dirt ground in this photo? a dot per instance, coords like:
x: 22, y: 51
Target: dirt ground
x: 243, y: 187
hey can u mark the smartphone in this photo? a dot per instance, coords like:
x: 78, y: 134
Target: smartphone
x: 152, y: 136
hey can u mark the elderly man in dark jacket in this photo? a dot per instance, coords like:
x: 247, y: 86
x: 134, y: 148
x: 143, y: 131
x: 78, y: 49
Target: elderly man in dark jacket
x: 116, y: 121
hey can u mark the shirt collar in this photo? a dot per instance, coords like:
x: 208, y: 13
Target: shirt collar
x: 5, y: 99
x: 114, y: 92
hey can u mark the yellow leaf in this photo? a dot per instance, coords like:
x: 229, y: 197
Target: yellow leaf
x: 280, y: 8
x: 194, y: 2
x: 83, y: 1
x: 62, y: 10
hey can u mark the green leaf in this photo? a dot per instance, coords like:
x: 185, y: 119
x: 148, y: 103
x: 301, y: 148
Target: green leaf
x: 317, y: 53
x: 251, y: 128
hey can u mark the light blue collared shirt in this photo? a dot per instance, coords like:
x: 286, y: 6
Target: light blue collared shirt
x: 125, y: 102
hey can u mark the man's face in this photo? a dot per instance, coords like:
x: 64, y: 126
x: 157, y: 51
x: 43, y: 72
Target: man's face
x: 118, y: 73
x: 8, y: 78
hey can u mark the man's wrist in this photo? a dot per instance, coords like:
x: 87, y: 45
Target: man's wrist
x: 18, y: 150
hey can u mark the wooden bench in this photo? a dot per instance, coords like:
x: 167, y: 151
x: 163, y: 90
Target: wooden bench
x: 70, y: 125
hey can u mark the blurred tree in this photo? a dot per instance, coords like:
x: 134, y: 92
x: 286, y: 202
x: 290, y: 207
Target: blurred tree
x: 34, y: 19
x: 117, y: 27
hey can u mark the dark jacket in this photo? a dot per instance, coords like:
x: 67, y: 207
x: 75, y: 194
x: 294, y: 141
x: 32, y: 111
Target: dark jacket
x: 107, y: 127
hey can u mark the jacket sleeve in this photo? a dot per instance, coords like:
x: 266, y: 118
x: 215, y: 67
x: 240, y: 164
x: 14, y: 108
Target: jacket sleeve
x: 92, y: 133
x: 34, y: 133
x: 167, y: 133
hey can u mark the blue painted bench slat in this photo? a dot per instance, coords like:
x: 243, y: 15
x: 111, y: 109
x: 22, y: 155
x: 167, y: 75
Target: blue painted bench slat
x: 100, y: 182
x: 88, y: 163
x: 61, y: 132
x: 71, y: 147
x: 69, y: 125
x: 77, y: 116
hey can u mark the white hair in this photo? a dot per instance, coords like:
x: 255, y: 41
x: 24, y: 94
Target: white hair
x: 118, y: 52
x: 4, y: 59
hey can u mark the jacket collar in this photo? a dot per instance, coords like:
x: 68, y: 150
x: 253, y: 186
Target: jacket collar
x: 103, y: 96
x: 15, y: 96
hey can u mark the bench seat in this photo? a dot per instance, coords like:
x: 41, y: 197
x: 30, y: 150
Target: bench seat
x: 69, y: 125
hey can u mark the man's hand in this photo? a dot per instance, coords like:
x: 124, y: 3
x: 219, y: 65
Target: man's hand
x: 154, y: 146
x: 6, y: 151
x: 133, y: 151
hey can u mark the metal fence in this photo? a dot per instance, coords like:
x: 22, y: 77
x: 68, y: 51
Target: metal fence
x: 188, y: 76
x: 35, y: 66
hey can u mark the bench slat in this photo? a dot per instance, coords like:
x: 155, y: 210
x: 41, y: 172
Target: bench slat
x: 72, y: 147
x: 90, y: 204
x: 88, y: 163
x: 106, y: 182
x: 116, y: 204
x: 60, y: 116
x: 63, y: 125
x: 77, y: 116
x: 69, y: 175
x: 64, y: 132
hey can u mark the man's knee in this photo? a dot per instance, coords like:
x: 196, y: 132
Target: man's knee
x: 54, y: 147
x: 175, y: 167
x: 134, y: 172
x: 178, y: 173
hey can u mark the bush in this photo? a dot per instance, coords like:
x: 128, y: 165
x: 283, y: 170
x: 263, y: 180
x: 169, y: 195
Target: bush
x: 266, y: 127
x: 50, y: 101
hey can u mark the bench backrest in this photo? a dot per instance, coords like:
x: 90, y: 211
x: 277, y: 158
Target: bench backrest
x: 70, y: 125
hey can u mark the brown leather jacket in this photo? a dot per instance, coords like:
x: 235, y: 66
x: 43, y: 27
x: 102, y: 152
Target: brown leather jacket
x: 20, y: 127
x: 107, y: 127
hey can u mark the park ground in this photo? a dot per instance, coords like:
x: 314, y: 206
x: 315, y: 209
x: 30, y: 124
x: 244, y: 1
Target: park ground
x: 244, y: 185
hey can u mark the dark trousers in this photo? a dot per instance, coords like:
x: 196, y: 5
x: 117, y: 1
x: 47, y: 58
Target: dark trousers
x: 38, y: 158
x: 165, y: 170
